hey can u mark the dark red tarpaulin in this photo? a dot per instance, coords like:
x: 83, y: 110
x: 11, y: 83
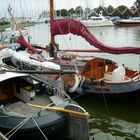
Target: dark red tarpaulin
x: 65, y: 26
x: 23, y: 42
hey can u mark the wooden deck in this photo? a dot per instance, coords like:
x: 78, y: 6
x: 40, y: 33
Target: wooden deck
x: 23, y: 109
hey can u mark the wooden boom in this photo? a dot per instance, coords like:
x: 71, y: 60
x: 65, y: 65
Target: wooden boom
x: 60, y: 109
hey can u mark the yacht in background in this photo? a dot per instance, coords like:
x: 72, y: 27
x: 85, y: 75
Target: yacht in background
x: 40, y: 20
x: 133, y: 21
x: 97, y: 21
x: 115, y: 19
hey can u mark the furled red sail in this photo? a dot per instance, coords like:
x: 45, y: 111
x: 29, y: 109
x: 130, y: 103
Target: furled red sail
x: 23, y: 42
x: 65, y: 26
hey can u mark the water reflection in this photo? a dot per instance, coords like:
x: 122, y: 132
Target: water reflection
x: 111, y: 119
x: 114, y: 128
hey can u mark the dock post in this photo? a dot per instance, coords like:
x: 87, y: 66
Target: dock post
x: 77, y: 127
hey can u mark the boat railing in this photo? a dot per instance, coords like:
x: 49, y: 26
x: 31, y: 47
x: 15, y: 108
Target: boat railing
x: 108, y: 78
x: 135, y: 76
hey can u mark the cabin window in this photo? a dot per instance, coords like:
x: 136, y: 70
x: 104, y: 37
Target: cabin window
x: 21, y: 83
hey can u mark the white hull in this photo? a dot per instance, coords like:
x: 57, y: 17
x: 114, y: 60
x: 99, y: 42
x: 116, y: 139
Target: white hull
x: 90, y: 23
x: 23, y: 56
x: 131, y: 21
x: 97, y: 21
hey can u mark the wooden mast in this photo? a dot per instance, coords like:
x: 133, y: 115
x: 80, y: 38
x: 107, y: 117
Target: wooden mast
x: 51, y: 18
x: 14, y: 20
x: 52, y: 43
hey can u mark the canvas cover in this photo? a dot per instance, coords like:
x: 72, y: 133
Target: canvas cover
x: 65, y: 26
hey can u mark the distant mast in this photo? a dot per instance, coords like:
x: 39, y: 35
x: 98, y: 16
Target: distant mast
x: 102, y: 3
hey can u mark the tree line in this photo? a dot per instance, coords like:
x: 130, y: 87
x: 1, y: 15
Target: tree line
x: 79, y: 11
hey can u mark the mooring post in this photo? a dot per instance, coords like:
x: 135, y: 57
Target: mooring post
x: 77, y: 126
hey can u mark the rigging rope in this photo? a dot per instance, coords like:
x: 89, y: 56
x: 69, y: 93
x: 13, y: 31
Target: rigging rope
x: 39, y: 128
x: 16, y: 128
x: 108, y: 113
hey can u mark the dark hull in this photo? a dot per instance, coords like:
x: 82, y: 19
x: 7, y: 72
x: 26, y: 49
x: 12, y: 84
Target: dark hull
x: 129, y: 23
x: 50, y: 124
x: 113, y: 88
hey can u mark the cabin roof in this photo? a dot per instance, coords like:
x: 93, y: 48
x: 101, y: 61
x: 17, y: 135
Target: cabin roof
x: 9, y: 75
x: 102, y: 10
x: 116, y: 12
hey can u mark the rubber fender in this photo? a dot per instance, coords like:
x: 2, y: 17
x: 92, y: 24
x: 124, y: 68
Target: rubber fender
x: 77, y: 81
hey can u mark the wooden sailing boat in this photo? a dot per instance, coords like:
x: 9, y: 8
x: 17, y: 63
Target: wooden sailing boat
x: 33, y: 57
x: 100, y: 76
x: 30, y: 109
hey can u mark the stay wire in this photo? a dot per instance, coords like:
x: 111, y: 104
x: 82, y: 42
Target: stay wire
x: 108, y: 112
x: 14, y: 130
x: 39, y: 128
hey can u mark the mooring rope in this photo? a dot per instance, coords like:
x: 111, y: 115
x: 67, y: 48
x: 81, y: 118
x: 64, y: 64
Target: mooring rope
x: 39, y: 128
x: 108, y: 113
x: 16, y: 128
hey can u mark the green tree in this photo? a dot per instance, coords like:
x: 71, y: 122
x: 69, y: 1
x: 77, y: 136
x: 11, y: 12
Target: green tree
x: 121, y: 8
x: 79, y: 10
x: 137, y: 4
x: 87, y: 10
x: 110, y: 9
x: 71, y: 11
x: 58, y: 13
x: 64, y: 12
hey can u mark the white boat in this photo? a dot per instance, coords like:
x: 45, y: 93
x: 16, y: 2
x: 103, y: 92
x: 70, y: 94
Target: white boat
x: 97, y: 21
x: 10, y: 35
x: 40, y: 20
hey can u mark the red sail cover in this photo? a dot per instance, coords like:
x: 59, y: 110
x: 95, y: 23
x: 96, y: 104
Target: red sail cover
x: 65, y: 26
x: 23, y: 42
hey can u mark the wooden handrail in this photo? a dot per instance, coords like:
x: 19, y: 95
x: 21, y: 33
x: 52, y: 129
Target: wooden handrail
x: 80, y: 50
x: 60, y: 109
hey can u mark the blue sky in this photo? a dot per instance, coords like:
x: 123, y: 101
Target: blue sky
x: 33, y: 7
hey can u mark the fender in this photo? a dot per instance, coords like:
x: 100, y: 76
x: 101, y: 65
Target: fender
x: 77, y: 81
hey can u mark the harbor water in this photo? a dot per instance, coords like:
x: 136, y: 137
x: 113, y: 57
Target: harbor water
x: 112, y: 119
